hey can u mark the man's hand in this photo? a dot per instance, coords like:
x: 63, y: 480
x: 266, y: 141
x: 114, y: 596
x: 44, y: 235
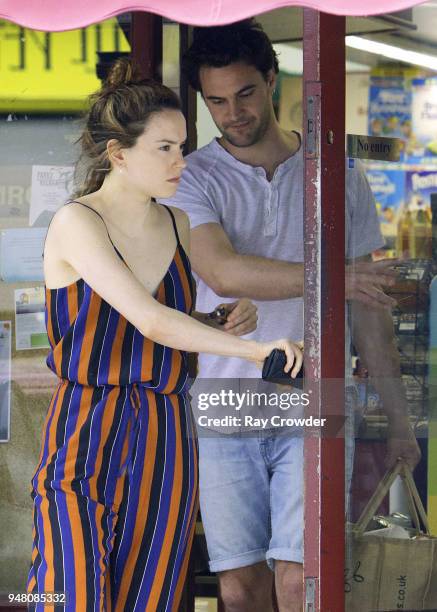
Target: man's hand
x: 242, y: 317
x: 401, y: 443
x: 364, y: 281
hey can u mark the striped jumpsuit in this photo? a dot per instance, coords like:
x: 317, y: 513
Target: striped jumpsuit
x: 115, y: 490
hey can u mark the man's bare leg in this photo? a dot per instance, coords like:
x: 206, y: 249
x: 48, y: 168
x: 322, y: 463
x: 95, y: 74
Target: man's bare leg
x: 247, y: 589
x: 289, y: 586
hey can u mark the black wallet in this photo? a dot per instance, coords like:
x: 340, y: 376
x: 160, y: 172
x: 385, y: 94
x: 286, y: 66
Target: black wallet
x: 273, y: 370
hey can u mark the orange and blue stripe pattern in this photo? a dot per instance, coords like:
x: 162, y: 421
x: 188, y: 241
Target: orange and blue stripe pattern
x: 115, y: 490
x: 92, y: 344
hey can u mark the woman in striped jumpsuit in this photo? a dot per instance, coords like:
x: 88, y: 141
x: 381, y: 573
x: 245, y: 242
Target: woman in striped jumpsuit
x: 115, y: 489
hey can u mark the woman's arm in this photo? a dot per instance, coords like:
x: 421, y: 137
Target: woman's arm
x: 78, y: 237
x: 202, y: 317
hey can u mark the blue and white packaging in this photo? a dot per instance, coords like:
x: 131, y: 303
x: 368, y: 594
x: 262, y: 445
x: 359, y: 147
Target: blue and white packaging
x: 420, y: 184
x: 389, y: 108
x: 388, y: 188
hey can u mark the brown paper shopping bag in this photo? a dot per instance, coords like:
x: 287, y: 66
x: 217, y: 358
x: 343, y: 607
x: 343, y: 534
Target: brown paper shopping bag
x: 386, y: 573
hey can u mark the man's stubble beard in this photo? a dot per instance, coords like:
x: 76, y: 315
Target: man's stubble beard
x: 253, y: 137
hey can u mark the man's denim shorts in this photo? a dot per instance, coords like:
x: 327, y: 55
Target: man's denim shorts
x: 251, y: 498
x: 251, y: 493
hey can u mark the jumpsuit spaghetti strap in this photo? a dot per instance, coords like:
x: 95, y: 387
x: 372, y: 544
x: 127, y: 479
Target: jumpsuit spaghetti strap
x: 115, y: 489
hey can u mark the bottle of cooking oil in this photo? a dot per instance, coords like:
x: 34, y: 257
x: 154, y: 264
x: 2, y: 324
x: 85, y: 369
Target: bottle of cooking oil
x: 421, y: 230
x: 403, y: 240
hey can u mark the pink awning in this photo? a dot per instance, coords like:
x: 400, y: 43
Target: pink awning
x: 54, y: 15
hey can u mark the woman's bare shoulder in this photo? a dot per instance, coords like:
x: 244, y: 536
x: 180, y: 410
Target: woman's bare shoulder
x: 73, y: 214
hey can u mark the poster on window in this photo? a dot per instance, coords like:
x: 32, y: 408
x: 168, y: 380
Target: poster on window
x: 5, y: 380
x: 21, y: 254
x: 51, y: 187
x: 30, y: 330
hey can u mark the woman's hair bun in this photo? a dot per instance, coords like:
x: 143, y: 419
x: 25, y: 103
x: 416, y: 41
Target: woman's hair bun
x: 122, y: 72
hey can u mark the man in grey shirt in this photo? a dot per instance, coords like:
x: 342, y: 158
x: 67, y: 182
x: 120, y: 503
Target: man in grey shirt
x: 243, y: 194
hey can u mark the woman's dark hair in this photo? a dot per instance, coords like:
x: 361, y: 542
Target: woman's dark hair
x: 120, y: 110
x: 244, y: 41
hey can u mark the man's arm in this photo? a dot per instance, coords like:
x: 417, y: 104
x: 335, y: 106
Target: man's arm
x: 373, y: 337
x: 231, y: 274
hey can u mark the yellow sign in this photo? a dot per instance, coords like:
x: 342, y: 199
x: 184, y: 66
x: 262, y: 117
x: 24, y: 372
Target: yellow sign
x: 47, y: 72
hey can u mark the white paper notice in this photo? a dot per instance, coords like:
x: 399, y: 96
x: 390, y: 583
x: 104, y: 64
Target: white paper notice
x: 30, y: 329
x: 5, y: 380
x: 51, y: 187
x: 424, y: 115
x: 21, y: 254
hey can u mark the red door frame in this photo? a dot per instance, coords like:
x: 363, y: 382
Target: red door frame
x: 146, y: 44
x: 324, y: 305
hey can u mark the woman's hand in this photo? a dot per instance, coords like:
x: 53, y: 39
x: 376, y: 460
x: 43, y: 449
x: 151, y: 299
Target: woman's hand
x: 241, y: 319
x: 293, y: 351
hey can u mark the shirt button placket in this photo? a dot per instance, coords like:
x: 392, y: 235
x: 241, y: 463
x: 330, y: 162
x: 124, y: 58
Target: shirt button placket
x: 270, y: 226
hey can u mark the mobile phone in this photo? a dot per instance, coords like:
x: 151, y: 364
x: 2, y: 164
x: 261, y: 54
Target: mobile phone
x: 219, y: 315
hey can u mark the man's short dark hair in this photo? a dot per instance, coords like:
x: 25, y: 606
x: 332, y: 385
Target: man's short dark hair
x: 219, y: 46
